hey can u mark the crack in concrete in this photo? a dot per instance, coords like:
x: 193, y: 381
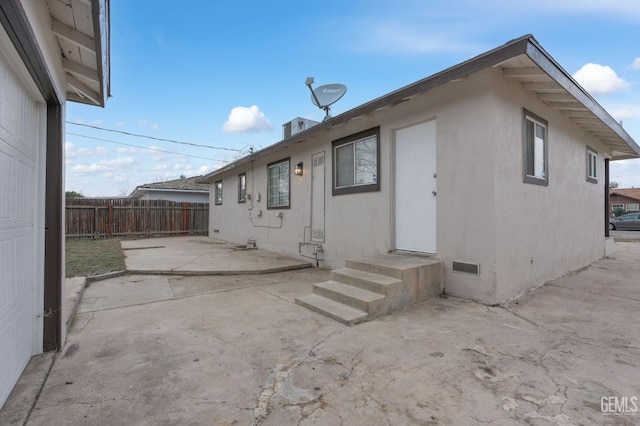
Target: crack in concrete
x: 522, y: 317
x: 86, y: 323
x: 279, y: 381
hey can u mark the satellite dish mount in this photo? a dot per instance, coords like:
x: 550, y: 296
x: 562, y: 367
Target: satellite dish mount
x: 324, y: 96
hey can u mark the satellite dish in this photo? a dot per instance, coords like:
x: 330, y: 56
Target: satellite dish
x: 326, y: 95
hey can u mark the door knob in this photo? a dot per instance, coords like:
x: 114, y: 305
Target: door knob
x: 434, y: 193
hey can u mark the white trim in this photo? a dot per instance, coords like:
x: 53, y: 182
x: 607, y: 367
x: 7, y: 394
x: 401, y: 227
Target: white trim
x: 38, y: 223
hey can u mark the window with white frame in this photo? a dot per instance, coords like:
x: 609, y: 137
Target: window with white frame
x: 218, y: 193
x: 278, y: 185
x: 535, y: 149
x: 592, y: 165
x: 633, y: 207
x: 242, y: 188
x: 355, y: 163
x: 615, y: 207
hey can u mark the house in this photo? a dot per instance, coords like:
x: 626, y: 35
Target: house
x: 181, y: 190
x: 51, y: 52
x: 482, y: 166
x: 625, y: 200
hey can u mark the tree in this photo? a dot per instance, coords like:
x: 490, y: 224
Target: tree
x: 73, y: 194
x: 613, y: 184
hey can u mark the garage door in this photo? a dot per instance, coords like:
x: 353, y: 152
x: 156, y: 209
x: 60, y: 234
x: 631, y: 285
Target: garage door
x: 20, y: 238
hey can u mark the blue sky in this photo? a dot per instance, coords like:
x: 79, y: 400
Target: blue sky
x: 229, y: 74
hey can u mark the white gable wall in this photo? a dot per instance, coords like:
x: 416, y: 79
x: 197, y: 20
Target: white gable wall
x: 542, y: 232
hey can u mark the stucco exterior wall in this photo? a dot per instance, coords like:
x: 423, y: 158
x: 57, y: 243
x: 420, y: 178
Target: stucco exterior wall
x: 521, y: 235
x: 363, y: 224
x: 542, y: 232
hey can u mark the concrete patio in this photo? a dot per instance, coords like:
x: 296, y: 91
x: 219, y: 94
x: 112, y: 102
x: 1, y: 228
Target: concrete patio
x: 236, y: 349
x: 201, y: 256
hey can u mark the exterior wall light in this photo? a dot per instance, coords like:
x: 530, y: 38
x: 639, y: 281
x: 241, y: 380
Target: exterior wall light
x: 299, y: 169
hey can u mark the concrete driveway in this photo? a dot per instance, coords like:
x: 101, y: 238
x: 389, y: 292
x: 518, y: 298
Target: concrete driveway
x: 217, y: 350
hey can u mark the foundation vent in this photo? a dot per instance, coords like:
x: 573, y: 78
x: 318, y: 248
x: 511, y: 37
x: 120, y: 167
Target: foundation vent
x: 468, y: 268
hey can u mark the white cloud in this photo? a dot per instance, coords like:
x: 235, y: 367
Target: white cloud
x: 626, y: 173
x: 154, y: 126
x: 636, y: 64
x: 623, y: 112
x: 398, y: 36
x: 246, y: 120
x: 71, y: 151
x: 103, y: 166
x: 600, y: 79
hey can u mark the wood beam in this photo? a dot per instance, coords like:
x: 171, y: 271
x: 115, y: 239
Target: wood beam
x: 72, y: 35
x: 575, y: 114
x: 543, y: 87
x: 523, y: 72
x: 82, y: 70
x: 567, y: 106
x: 556, y: 97
x: 83, y: 89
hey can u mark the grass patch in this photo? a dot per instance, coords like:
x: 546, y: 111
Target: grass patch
x: 93, y: 257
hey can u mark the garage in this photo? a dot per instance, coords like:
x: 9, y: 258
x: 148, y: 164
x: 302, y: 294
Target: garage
x: 51, y: 52
x: 21, y: 260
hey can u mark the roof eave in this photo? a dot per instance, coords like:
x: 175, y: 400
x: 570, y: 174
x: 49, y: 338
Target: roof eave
x: 567, y: 82
x: 526, y: 45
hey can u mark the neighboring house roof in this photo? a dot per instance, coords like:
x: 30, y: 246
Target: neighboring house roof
x: 81, y: 29
x: 522, y: 59
x: 626, y: 192
x: 177, y: 185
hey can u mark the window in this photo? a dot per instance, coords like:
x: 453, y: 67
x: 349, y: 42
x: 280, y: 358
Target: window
x: 278, y: 185
x: 592, y: 165
x: 633, y: 207
x: 242, y: 188
x: 535, y: 151
x: 615, y: 207
x: 218, y: 193
x: 355, y: 163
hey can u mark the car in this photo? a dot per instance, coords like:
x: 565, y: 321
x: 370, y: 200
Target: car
x: 626, y: 221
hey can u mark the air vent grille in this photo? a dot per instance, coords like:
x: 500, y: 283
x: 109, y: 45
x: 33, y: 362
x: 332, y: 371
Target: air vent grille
x: 468, y: 268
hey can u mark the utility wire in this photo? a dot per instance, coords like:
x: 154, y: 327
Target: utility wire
x: 144, y: 147
x: 153, y: 138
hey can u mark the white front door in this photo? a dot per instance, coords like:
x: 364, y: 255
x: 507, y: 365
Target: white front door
x: 415, y: 188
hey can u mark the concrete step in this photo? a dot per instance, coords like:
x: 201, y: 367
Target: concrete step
x: 336, y: 310
x: 364, y: 300
x: 391, y: 265
x: 365, y: 280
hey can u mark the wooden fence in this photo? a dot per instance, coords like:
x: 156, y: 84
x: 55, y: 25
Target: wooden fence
x: 126, y: 217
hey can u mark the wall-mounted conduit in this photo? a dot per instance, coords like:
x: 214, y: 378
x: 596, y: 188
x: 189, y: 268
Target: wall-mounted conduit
x: 318, y: 252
